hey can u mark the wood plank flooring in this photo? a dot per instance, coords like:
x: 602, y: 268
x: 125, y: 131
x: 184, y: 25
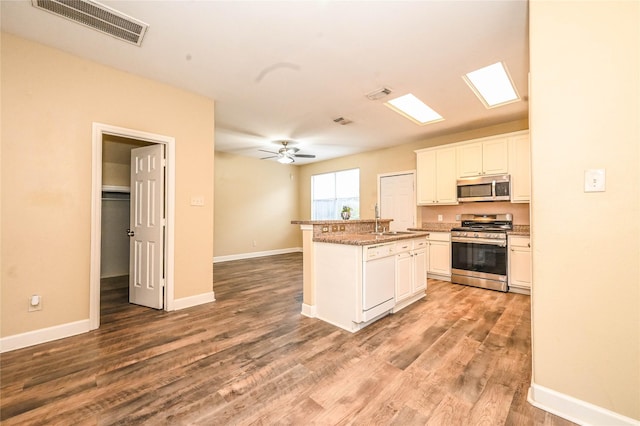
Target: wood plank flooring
x: 461, y: 356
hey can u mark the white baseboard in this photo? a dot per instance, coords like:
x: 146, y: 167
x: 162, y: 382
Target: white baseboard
x: 198, y: 299
x: 575, y: 410
x: 241, y: 256
x: 43, y: 335
x: 308, y: 310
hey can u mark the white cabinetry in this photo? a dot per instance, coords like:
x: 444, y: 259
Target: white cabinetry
x: 438, y: 169
x: 485, y: 157
x: 436, y: 176
x: 439, y: 255
x: 520, y: 167
x: 411, y: 271
x: 519, y: 273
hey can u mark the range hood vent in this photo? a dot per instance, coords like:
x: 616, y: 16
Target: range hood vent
x: 97, y: 16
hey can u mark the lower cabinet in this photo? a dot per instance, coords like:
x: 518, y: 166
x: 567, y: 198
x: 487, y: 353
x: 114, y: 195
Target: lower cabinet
x: 411, y: 271
x: 439, y: 255
x: 519, y: 268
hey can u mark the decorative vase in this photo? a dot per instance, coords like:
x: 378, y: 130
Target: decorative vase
x: 345, y: 215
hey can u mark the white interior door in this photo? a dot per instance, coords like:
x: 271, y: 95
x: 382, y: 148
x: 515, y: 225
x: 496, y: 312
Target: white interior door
x: 397, y: 201
x: 146, y: 231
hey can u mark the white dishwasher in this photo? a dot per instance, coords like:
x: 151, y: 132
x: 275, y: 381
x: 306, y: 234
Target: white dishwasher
x: 378, y: 280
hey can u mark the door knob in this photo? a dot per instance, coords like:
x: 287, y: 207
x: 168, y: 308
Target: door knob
x: 130, y: 233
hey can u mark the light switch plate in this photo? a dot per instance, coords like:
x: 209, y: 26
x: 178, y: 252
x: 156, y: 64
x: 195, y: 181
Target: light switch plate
x: 594, y: 180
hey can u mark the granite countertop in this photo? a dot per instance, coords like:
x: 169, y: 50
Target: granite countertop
x: 364, y: 239
x: 520, y: 230
x: 331, y: 222
x: 436, y: 227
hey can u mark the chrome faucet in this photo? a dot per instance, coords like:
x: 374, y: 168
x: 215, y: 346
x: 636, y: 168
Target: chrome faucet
x: 377, y: 216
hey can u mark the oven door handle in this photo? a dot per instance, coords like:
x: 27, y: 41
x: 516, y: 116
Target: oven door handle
x: 499, y: 243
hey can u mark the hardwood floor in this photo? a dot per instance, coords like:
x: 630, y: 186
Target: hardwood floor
x: 461, y: 356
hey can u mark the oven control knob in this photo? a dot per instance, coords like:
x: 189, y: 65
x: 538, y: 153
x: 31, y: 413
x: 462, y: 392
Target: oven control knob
x: 475, y: 235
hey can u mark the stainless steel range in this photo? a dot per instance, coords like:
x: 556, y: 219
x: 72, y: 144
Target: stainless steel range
x: 479, y: 251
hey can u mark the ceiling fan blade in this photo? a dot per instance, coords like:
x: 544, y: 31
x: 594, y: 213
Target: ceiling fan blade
x: 270, y: 152
x: 304, y: 155
x: 273, y: 156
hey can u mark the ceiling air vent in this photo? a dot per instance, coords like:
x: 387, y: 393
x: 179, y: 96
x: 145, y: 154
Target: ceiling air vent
x: 97, y: 16
x: 342, y: 121
x: 378, y: 94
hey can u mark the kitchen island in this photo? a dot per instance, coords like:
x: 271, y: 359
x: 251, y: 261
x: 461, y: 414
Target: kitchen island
x: 354, y: 276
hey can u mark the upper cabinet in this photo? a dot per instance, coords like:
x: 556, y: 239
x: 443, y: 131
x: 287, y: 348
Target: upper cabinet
x: 438, y: 169
x: 436, y: 176
x: 486, y: 157
x: 520, y: 167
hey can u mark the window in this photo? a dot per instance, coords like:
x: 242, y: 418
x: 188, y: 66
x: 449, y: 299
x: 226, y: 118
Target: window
x: 331, y: 191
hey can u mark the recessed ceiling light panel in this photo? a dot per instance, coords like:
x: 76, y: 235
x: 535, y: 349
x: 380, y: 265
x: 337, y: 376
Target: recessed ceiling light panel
x: 492, y: 84
x: 414, y: 109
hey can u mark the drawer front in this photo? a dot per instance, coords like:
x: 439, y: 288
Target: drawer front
x: 420, y: 243
x: 404, y: 245
x: 439, y: 236
x: 516, y: 241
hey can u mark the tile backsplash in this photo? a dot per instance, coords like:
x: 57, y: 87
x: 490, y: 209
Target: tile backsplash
x: 520, y: 211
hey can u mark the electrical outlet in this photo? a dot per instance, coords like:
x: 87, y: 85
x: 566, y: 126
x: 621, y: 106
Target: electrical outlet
x: 197, y: 200
x: 439, y: 218
x: 254, y: 243
x: 35, y: 303
x: 594, y: 180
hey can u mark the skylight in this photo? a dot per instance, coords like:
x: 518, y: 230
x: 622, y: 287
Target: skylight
x: 492, y: 85
x: 414, y: 109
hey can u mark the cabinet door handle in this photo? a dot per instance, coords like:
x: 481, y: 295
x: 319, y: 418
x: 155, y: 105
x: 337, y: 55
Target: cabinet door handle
x: 529, y: 245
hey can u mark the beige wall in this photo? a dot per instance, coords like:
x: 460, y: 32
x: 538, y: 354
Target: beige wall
x: 585, y: 109
x: 394, y: 159
x: 256, y: 200
x: 115, y: 174
x: 49, y: 101
x: 116, y: 159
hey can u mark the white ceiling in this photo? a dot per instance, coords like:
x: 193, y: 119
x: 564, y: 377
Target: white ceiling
x: 287, y: 69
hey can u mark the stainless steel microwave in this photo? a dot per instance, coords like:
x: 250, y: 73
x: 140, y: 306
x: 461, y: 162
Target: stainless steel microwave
x: 484, y: 188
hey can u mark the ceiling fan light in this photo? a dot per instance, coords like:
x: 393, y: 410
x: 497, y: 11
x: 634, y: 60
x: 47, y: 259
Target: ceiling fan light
x: 285, y: 159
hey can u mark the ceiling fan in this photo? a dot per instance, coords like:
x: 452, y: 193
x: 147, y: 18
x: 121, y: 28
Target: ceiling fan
x: 285, y: 155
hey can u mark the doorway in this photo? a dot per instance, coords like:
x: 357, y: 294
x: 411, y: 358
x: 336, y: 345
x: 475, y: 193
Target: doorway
x: 115, y: 258
x: 397, y: 199
x: 127, y: 138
